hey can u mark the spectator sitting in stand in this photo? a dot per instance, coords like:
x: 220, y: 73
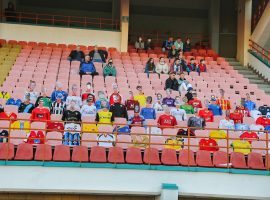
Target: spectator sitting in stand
x: 26, y: 106
x: 168, y: 101
x: 173, y: 53
x: 184, y: 85
x: 201, y: 67
x: 158, y: 104
x: 179, y: 45
x: 148, y: 45
x: 74, y: 96
x: 167, y: 44
x: 88, y: 92
x: 98, y: 55
x: 109, y: 69
x: 187, y: 46
x: 171, y: 82
x: 177, y: 66
x: 150, y: 67
x: 191, y: 66
x: 45, y: 98
x: 182, y: 61
x: 58, y: 89
x: 162, y: 67
x: 148, y: 112
x: 77, y: 54
x: 87, y: 67
x: 139, y: 44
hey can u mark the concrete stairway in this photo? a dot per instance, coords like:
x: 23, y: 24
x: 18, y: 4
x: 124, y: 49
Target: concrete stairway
x: 249, y: 73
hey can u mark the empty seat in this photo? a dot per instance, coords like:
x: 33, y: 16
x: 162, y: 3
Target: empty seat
x: 80, y: 154
x: 6, y: 151
x: 54, y: 138
x: 134, y: 156
x: 43, y: 152
x: 238, y: 160
x: 24, y: 152
x: 169, y: 157
x: 186, y: 158
x: 98, y: 154
x: 255, y: 161
x: 151, y: 156
x: 203, y: 158
x: 116, y: 155
x: 61, y: 153
x: 220, y: 159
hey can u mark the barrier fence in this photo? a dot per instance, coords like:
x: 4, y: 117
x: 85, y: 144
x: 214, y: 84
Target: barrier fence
x: 260, y: 51
x: 146, y: 142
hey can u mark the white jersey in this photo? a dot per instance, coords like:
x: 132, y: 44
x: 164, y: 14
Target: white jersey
x: 255, y: 114
x: 179, y: 114
x: 154, y: 130
x: 77, y: 99
x: 226, y: 124
x: 107, y: 140
x: 255, y: 127
x: 72, y: 128
x: 87, y: 110
x: 33, y: 96
x: 158, y: 107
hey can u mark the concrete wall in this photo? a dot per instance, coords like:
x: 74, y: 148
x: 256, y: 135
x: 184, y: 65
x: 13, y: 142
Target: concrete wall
x: 128, y: 181
x: 60, y: 35
x: 259, y: 66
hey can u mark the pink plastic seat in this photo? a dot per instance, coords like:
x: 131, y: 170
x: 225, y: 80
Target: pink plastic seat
x: 169, y: 157
x: 203, y: 158
x: 116, y: 155
x: 151, y: 156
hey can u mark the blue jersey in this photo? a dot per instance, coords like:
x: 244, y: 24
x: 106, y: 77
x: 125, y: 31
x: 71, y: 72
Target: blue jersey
x: 55, y: 94
x: 241, y: 127
x: 216, y: 109
x: 148, y: 113
x: 267, y: 128
x: 250, y: 105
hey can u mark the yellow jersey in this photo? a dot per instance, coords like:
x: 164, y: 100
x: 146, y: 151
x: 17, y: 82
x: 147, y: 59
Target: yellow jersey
x: 21, y: 125
x: 241, y: 146
x: 217, y: 134
x: 4, y: 95
x: 89, y: 128
x: 141, y: 98
x: 104, y: 117
x: 174, y: 143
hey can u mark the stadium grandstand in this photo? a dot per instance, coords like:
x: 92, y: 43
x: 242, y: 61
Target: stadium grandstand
x: 134, y: 99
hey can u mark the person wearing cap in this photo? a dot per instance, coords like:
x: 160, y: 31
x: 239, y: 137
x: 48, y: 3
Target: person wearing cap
x: 158, y: 103
x: 140, y: 97
x: 118, y: 109
x: 58, y: 90
x: 166, y: 120
x: 45, y: 98
x: 89, y: 109
x: 148, y: 112
x: 130, y: 102
x: 222, y: 102
x: 58, y: 106
x: 101, y: 97
x: 168, y: 101
x: 188, y: 108
x: 184, y: 85
x: 115, y: 96
x: 178, y: 113
x: 104, y: 116
x: 88, y: 92
x: 136, y: 119
x: 216, y: 109
x: 72, y: 114
x: 74, y: 96
x: 171, y: 82
x: 26, y: 106
x: 40, y: 113
x: 109, y: 69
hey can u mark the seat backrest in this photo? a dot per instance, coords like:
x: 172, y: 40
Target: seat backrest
x: 6, y: 151
x: 157, y: 142
x: 24, y: 152
x: 238, y: 160
x: 54, y: 138
x: 43, y: 152
x: 151, y: 156
x: 169, y: 157
x: 38, y: 125
x: 98, y: 154
x: 61, y: 153
x: 80, y: 154
x: 17, y: 136
x: 89, y: 139
x: 259, y: 147
x: 186, y: 158
x: 134, y: 155
x: 203, y: 158
x: 170, y: 131
x: 220, y: 159
x: 116, y: 155
x: 123, y: 141
x: 105, y: 129
x: 255, y: 161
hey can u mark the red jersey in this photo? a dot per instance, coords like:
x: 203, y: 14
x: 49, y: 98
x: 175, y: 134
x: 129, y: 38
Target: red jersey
x: 5, y: 116
x: 263, y: 121
x: 137, y: 120
x: 195, y: 103
x: 113, y: 98
x: 202, y: 67
x: 36, y: 137
x: 130, y: 104
x: 245, y: 112
x: 167, y: 120
x: 237, y: 117
x: 208, y: 145
x: 224, y: 104
x: 249, y: 136
x: 55, y: 126
x: 207, y: 115
x: 40, y: 114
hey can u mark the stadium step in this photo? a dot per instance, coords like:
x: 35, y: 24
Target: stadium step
x: 250, y: 74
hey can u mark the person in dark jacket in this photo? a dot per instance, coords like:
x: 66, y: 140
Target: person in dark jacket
x: 187, y: 46
x: 98, y: 55
x: 148, y: 45
x: 87, y: 67
x: 76, y: 54
x: 118, y: 110
x: 167, y: 44
x: 150, y: 67
x: 171, y: 82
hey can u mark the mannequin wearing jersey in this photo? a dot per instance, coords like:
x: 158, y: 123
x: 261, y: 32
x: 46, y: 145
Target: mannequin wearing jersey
x: 195, y: 102
x: 89, y: 109
x: 178, y: 113
x: 226, y: 123
x: 115, y: 96
x: 72, y: 114
x: 40, y: 113
x: 88, y: 91
x: 104, y: 116
x: 74, y: 96
x: 136, y: 119
x: 248, y: 104
x: 222, y: 102
x: 130, y: 102
x: 58, y: 90
x: 31, y: 92
x: 168, y: 100
x: 216, y: 109
x: 118, y: 109
x: 188, y: 108
x: 196, y: 122
x: 58, y: 106
x: 148, y: 112
x: 166, y: 120
x: 26, y: 106
x: 101, y: 97
x: 158, y: 103
x: 47, y: 103
x: 140, y: 97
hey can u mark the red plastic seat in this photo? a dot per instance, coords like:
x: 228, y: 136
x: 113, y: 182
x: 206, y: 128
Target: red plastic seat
x: 43, y: 152
x: 255, y: 161
x: 6, y: 151
x: 203, y: 158
x: 61, y: 153
x: 24, y: 152
x: 186, y: 158
x: 98, y: 154
x: 80, y: 154
x: 134, y: 155
x: 220, y: 159
x: 238, y: 160
x: 151, y: 156
x: 116, y: 155
x: 169, y: 157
